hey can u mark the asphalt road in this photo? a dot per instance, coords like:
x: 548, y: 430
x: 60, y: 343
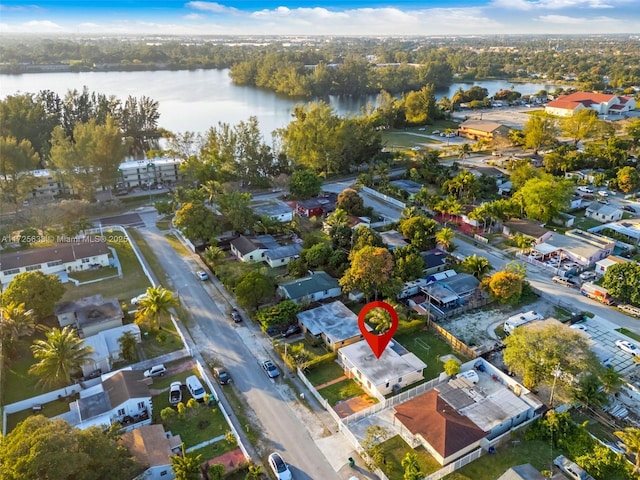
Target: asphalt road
x: 215, y: 334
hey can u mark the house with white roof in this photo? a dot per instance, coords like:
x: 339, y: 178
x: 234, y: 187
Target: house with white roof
x: 605, y: 263
x: 333, y: 322
x: 275, y: 210
x: 106, y: 348
x: 395, y: 369
x: 282, y: 255
x: 152, y: 171
x: 153, y: 447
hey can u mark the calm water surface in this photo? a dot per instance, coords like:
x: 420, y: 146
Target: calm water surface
x: 196, y: 100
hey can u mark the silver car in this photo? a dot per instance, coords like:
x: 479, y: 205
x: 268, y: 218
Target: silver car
x: 279, y: 467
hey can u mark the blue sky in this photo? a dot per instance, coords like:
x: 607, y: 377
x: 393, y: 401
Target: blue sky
x: 304, y: 17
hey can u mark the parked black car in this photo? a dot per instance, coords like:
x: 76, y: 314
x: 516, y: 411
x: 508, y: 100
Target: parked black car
x: 222, y: 376
x: 235, y: 316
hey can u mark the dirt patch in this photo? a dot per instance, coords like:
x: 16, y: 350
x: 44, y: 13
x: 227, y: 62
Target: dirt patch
x: 353, y: 405
x: 477, y: 328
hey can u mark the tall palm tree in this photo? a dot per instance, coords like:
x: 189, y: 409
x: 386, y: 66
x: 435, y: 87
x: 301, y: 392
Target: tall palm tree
x: 155, y: 306
x: 445, y: 237
x: 59, y: 356
x: 338, y: 218
x: 15, y: 322
x: 464, y: 151
x: 476, y: 266
x: 631, y: 438
x: 211, y: 188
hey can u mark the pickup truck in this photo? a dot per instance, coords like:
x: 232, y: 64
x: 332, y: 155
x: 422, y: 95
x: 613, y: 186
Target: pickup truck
x: 175, y: 393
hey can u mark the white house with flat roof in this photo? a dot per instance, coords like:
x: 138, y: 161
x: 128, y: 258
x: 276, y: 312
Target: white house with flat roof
x: 605, y: 263
x: 333, y: 322
x: 395, y: 369
x: 282, y: 255
x: 106, y: 347
x: 275, y: 210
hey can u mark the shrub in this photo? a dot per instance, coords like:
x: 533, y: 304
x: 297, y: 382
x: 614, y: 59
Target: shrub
x: 167, y: 414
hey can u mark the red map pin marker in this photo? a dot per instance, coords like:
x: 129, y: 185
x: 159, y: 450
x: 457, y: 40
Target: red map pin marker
x: 378, y: 342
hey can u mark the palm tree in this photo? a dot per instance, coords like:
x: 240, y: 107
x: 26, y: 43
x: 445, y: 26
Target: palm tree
x: 254, y: 472
x: 59, y: 356
x: 211, y: 189
x: 155, y: 306
x: 631, y: 439
x: 15, y: 322
x: 186, y: 466
x: 464, y: 151
x: 212, y: 254
x: 381, y: 319
x: 128, y: 342
x: 411, y: 467
x: 523, y: 242
x: 476, y: 266
x: 338, y: 218
x: 445, y: 238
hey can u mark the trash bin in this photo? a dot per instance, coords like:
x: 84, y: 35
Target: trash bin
x: 352, y: 462
x: 492, y: 450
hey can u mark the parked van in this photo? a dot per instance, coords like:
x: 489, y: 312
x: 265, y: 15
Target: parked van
x: 630, y: 309
x: 195, y: 388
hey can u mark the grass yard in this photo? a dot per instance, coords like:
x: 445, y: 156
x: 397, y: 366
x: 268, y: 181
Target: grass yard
x: 395, y: 450
x: 154, y: 345
x: 49, y: 410
x: 341, y: 391
x: 489, y: 467
x: 585, y: 223
x: 324, y: 373
x: 214, y: 450
x: 133, y: 279
x: 88, y: 275
x: 164, y: 224
x: 428, y: 346
x: 200, y: 424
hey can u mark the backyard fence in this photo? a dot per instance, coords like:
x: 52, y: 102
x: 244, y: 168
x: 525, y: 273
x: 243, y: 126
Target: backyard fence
x: 452, y: 340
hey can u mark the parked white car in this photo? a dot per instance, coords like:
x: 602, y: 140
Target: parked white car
x: 603, y: 193
x: 628, y: 347
x: 585, y: 189
x: 136, y: 300
x: 586, y: 276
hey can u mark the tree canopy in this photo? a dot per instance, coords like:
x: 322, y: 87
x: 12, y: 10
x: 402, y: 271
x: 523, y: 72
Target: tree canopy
x: 53, y: 449
x: 537, y: 353
x: 370, y: 272
x: 38, y: 291
x: 622, y: 280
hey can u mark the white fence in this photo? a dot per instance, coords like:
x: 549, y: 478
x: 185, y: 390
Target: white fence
x: 382, y: 196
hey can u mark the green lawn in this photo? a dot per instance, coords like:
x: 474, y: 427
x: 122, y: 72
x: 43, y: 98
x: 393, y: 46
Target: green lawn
x: 51, y: 409
x: 585, y: 223
x: 395, y: 450
x: 341, y: 391
x: 153, y: 346
x: 214, y: 450
x: 415, y: 342
x: 88, y: 275
x: 133, y: 279
x: 150, y: 256
x: 490, y: 467
x: 324, y: 373
x: 200, y: 424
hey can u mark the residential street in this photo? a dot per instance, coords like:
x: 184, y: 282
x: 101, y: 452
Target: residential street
x: 237, y: 348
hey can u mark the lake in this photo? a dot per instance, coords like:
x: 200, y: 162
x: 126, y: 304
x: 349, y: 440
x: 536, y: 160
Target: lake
x: 195, y: 100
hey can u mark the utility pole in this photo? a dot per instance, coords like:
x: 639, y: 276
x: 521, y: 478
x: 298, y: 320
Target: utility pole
x: 556, y: 373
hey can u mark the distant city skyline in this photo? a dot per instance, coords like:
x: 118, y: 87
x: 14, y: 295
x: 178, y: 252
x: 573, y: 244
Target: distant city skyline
x: 304, y: 17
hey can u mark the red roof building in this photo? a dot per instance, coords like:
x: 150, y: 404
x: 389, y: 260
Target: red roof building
x: 602, y: 103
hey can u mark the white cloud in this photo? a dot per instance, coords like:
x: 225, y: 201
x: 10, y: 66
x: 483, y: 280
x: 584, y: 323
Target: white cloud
x: 565, y: 20
x: 193, y: 16
x: 43, y: 25
x: 212, y: 7
x: 20, y: 8
x: 527, y: 5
